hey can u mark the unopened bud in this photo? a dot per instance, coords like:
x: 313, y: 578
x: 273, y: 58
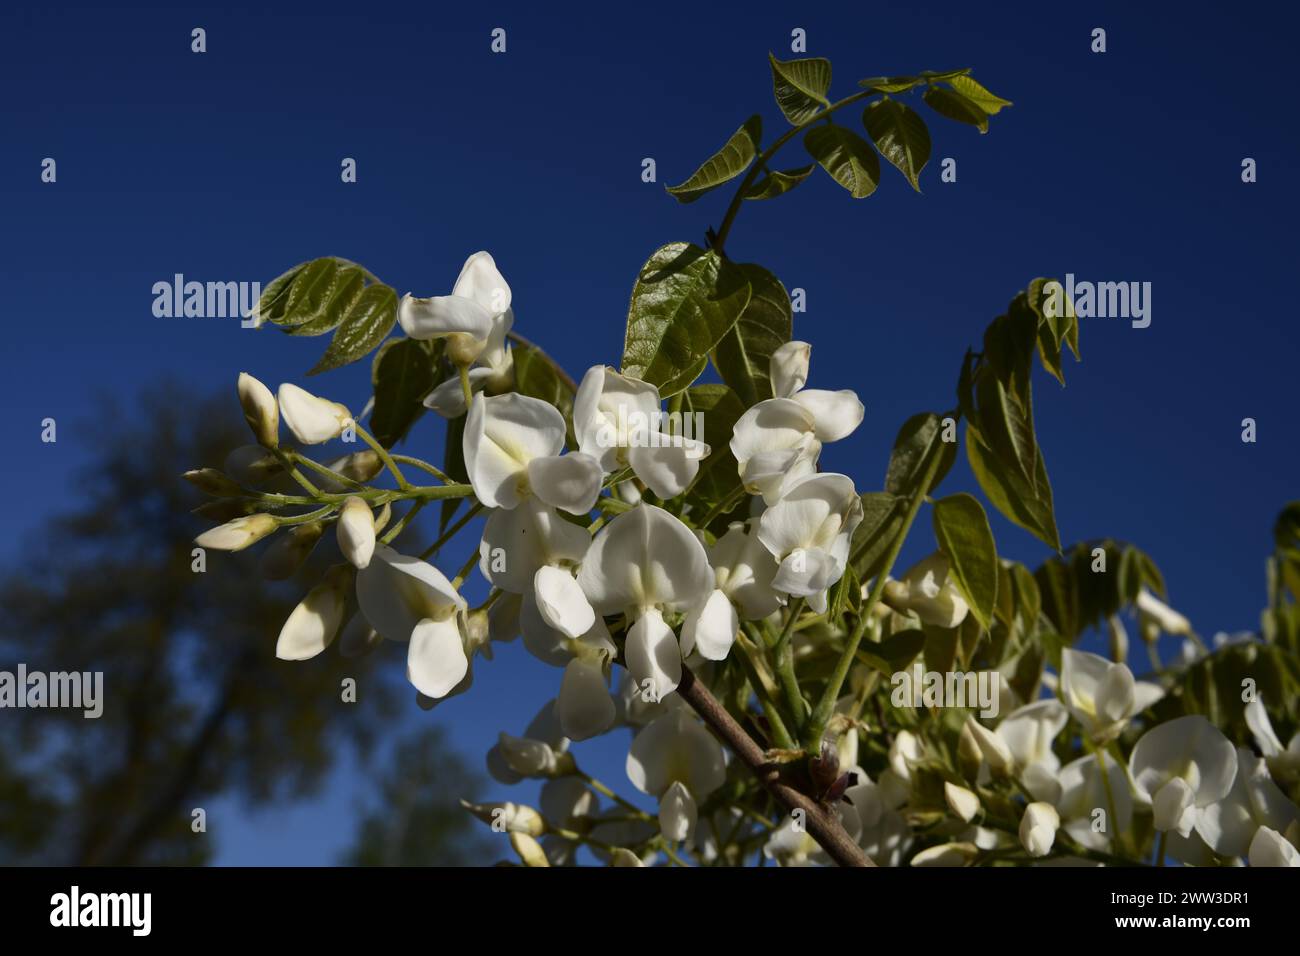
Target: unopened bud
x: 623, y: 857
x: 260, y: 410
x: 238, y: 534
x: 947, y: 854
x: 356, y: 531
x: 315, y: 622
x: 969, y: 755
x: 312, y: 419
x: 510, y: 817
x: 212, y: 482
x: 963, y: 803
x: 993, y: 748
x: 529, y: 850
x: 1038, y: 828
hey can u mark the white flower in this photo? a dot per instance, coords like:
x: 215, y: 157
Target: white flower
x: 643, y: 563
x: 809, y: 532
x: 1155, y: 616
x: 493, y: 371
x: 512, y: 450
x: 260, y: 410
x: 1179, y: 768
x: 538, y: 753
x: 406, y: 599
x: 1084, y: 792
x: 788, y: 368
x: 1254, y: 801
x: 778, y: 441
x: 742, y: 571
x: 1284, y: 763
x: 929, y: 591
x: 464, y: 318
x: 1038, y: 828
x: 530, y: 551
x: 678, y: 813
x: 993, y: 748
x: 1028, y: 732
x: 584, y: 706
x: 1270, y: 848
x: 617, y: 420
x: 1101, y: 695
x: 314, y: 623
x: 676, y: 749
x: 356, y: 531
x: 237, y: 534
x: 311, y: 419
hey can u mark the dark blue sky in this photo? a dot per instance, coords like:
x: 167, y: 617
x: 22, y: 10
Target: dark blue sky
x: 1123, y: 166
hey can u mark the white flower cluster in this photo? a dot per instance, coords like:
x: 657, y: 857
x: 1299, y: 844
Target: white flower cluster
x: 582, y: 547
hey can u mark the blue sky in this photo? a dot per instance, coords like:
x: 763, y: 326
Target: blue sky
x: 1123, y: 166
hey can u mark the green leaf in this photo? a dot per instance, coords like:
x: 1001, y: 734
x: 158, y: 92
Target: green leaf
x: 685, y: 300
x: 846, y: 156
x: 891, y: 84
x: 800, y: 87
x: 346, y: 285
x: 1029, y: 506
x: 718, y: 408
x: 778, y: 182
x: 404, y: 371
x: 367, y: 323
x: 953, y: 105
x: 882, y: 520
x: 920, y: 438
x: 273, y: 303
x: 977, y: 94
x: 962, y: 530
x: 724, y: 165
x: 901, y: 649
x: 900, y: 134
x: 743, y: 356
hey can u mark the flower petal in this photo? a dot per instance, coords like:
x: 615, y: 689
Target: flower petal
x: 561, y: 603
x: 480, y: 281
x: 568, y: 482
x: 711, y: 628
x: 584, y: 706
x: 788, y: 368
x: 645, y: 558
x: 836, y: 415
x: 435, y: 659
x: 653, y: 654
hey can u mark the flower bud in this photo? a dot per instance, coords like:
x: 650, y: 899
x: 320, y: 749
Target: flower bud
x: 929, y: 591
x: 252, y: 465
x: 315, y: 622
x: 238, y: 534
x: 529, y: 850
x: 623, y: 857
x: 287, y: 552
x: 527, y: 757
x: 1038, y: 828
x: 312, y: 419
x: 260, y: 410
x: 1118, y: 639
x: 947, y: 854
x: 212, y: 482
x: 962, y: 802
x: 678, y: 813
x: 356, y: 531
x: 510, y: 817
x: 360, y: 466
x: 1156, y: 616
x: 969, y: 755
x: 993, y: 748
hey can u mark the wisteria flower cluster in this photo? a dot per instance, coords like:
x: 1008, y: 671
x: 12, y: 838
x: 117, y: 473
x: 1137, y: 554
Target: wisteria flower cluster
x: 676, y: 552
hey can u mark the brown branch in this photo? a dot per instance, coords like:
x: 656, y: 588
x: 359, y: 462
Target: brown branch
x: 822, y: 824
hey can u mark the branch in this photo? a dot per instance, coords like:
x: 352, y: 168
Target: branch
x: 823, y: 825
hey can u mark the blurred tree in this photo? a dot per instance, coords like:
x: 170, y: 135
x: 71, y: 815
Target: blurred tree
x: 417, y: 819
x: 195, y: 703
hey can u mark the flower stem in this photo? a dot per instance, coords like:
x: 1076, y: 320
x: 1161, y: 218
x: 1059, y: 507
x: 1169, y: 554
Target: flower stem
x: 384, y: 456
x: 826, y: 705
